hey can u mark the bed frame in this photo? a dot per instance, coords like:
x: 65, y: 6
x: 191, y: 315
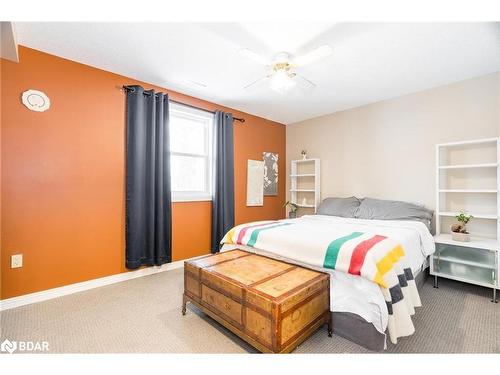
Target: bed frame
x: 356, y: 329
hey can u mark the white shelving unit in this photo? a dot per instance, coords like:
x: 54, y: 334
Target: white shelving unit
x: 476, y: 262
x: 305, y: 183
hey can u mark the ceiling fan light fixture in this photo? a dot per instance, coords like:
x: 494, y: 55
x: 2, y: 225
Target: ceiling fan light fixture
x: 282, y: 77
x: 281, y: 81
x: 281, y: 58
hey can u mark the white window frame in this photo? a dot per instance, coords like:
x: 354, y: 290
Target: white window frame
x: 208, y: 122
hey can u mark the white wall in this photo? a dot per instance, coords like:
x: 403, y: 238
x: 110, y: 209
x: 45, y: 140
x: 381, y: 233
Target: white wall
x: 387, y: 149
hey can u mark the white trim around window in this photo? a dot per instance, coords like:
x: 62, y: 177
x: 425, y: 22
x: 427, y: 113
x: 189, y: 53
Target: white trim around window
x: 206, y: 120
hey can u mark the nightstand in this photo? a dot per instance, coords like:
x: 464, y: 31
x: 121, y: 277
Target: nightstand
x: 475, y: 262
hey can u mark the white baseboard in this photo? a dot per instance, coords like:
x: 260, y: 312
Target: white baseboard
x: 44, y: 295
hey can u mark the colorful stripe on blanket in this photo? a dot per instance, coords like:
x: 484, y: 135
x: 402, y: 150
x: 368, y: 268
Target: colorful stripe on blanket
x: 253, y: 231
x: 349, y: 253
x: 375, y: 257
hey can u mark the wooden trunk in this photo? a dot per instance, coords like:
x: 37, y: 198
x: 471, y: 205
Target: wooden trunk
x: 272, y: 305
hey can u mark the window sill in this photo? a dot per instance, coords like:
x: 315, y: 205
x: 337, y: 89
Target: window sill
x: 191, y: 199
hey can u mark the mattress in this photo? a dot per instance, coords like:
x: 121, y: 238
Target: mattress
x: 357, y: 295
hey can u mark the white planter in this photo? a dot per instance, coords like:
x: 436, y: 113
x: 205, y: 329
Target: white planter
x: 462, y: 237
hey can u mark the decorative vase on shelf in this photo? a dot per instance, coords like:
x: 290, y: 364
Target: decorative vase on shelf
x: 304, y: 154
x: 292, y: 214
x: 462, y: 237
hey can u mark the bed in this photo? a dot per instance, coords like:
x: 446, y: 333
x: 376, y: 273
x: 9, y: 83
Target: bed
x: 361, y: 309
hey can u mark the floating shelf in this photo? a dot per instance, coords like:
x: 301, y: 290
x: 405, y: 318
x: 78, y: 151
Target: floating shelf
x: 303, y: 190
x: 306, y: 205
x: 469, y: 166
x: 303, y: 175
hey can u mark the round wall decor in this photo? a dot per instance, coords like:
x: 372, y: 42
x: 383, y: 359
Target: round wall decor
x: 36, y: 100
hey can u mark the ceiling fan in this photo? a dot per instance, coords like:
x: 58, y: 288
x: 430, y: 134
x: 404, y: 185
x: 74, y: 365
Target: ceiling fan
x: 282, y: 77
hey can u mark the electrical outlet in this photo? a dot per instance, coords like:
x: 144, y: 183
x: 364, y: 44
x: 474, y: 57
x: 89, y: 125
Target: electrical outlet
x: 16, y: 261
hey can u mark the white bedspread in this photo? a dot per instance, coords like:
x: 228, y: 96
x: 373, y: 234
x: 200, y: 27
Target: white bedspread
x: 354, y: 294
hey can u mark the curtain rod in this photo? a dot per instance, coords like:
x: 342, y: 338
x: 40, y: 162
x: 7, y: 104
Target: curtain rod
x: 240, y: 119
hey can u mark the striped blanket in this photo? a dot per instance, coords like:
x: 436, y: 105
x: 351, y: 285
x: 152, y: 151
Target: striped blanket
x: 378, y: 258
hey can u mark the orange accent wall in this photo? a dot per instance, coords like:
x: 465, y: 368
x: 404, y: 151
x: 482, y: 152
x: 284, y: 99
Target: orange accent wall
x: 62, y: 173
x: 1, y: 116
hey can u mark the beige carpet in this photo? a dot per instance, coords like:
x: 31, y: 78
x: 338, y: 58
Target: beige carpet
x: 144, y: 315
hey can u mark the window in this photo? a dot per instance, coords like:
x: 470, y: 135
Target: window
x: 190, y: 153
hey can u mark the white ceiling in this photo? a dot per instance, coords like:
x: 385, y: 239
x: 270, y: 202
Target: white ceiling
x: 370, y: 62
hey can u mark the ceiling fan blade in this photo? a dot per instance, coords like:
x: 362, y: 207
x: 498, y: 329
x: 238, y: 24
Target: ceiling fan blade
x: 313, y: 56
x: 254, y: 56
x: 304, y: 84
x: 257, y: 82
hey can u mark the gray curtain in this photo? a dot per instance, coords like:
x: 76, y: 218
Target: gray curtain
x: 148, y: 213
x: 223, y: 201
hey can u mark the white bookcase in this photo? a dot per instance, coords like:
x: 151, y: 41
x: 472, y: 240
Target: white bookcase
x: 305, y: 184
x: 467, y: 178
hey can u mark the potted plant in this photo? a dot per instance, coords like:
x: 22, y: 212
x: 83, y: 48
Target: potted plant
x: 459, y: 231
x: 292, y: 214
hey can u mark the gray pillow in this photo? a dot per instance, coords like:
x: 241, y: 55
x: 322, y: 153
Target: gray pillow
x: 379, y: 209
x: 343, y: 207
